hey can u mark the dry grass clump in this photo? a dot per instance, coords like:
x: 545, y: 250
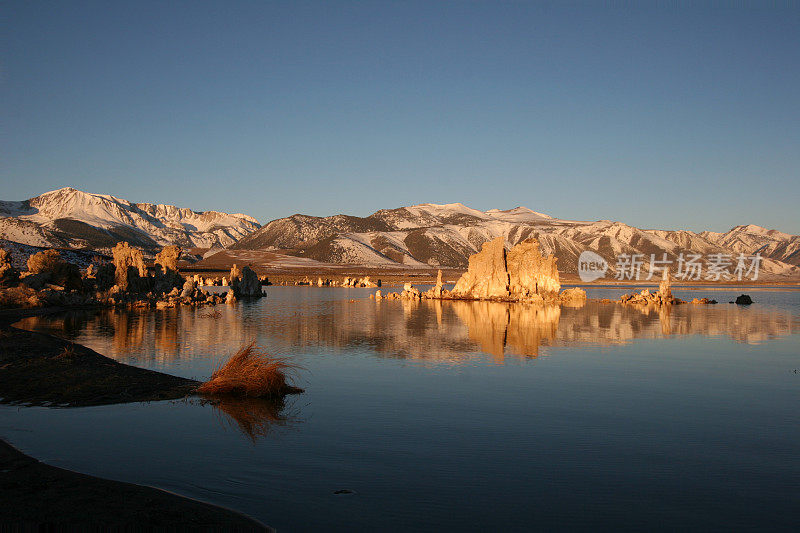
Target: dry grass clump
x: 45, y: 261
x: 67, y: 353
x: 251, y: 373
x: 61, y: 273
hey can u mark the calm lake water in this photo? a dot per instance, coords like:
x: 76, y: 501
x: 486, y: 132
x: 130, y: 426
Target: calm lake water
x: 458, y: 415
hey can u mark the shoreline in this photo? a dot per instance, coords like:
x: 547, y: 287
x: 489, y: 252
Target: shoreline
x: 37, y: 369
x: 37, y: 495
x: 44, y: 370
x: 395, y: 277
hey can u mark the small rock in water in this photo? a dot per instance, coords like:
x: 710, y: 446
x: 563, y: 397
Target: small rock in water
x: 744, y: 299
x: 343, y: 492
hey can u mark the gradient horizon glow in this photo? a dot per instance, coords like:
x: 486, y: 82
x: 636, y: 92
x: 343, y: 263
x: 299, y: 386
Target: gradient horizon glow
x: 658, y: 117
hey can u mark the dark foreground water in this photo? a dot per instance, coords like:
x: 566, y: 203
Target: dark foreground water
x: 456, y: 415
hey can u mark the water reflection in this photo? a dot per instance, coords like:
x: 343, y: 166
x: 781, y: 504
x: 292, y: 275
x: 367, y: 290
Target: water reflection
x: 440, y: 331
x: 254, y: 417
x: 519, y: 328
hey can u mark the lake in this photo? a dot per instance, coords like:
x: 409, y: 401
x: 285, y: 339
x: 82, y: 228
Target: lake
x: 449, y: 415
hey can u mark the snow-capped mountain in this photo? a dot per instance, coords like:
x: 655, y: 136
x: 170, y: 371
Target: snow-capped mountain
x: 421, y: 236
x: 750, y: 239
x: 446, y: 235
x: 69, y: 218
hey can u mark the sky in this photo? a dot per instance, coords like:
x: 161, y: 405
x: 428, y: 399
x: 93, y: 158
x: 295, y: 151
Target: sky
x: 661, y: 117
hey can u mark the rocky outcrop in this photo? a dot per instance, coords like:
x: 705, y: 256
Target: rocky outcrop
x: 487, y: 276
x: 522, y: 274
x: 358, y: 282
x: 247, y: 285
x: 573, y: 297
x: 188, y: 288
x: 702, y: 301
x: 128, y: 264
x: 743, y: 299
x: 235, y: 272
x: 410, y: 292
x: 646, y: 297
x: 529, y: 272
x: 661, y: 297
x: 437, y: 290
x: 665, y: 287
x: 51, y: 280
x: 366, y: 282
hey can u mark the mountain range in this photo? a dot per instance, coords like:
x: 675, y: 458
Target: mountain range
x: 446, y: 235
x: 69, y: 218
x: 419, y: 236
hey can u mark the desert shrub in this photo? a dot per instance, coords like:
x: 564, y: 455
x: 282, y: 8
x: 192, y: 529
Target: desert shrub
x: 61, y: 273
x: 8, y: 274
x: 21, y: 297
x: 44, y: 261
x: 104, y: 276
x: 251, y: 373
x: 168, y: 257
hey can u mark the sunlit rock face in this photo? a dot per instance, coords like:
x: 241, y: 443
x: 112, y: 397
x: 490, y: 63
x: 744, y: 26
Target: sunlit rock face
x: 487, y: 276
x: 436, y: 291
x: 128, y: 262
x: 665, y: 287
x: 530, y: 272
x: 523, y: 273
x: 574, y: 297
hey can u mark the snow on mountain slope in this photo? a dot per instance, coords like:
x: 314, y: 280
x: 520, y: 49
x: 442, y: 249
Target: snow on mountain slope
x: 750, y: 239
x: 420, y: 235
x: 447, y: 234
x: 69, y: 218
x: 518, y: 214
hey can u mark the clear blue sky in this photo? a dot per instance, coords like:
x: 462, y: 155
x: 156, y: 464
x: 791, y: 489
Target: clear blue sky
x: 659, y: 117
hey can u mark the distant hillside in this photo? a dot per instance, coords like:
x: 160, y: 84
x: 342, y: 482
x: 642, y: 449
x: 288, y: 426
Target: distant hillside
x: 419, y: 236
x: 69, y: 218
x: 446, y: 235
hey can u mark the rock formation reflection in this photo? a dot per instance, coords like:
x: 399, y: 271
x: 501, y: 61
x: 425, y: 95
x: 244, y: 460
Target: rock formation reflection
x: 429, y: 330
x: 520, y: 328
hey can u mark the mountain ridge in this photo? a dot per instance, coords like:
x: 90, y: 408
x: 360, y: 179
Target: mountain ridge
x: 445, y: 235
x: 70, y: 218
x: 424, y: 235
